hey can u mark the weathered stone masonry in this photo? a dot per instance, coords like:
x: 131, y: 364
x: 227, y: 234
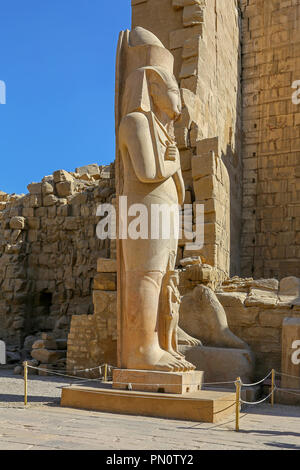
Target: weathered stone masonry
x: 49, y: 251
x: 271, y: 147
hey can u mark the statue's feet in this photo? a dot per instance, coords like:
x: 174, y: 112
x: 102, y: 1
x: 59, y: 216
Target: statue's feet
x: 163, y: 361
x: 188, y: 366
x: 184, y: 338
x: 170, y: 363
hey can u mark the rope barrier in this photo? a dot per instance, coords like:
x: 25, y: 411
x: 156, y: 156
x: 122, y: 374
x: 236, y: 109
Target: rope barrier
x: 94, y: 368
x: 287, y: 375
x: 197, y: 383
x: 82, y: 379
x: 62, y: 375
x: 88, y: 370
x: 152, y: 384
x: 54, y: 372
x: 258, y: 402
x: 110, y: 367
x: 238, y: 384
x: 257, y: 383
x: 219, y: 383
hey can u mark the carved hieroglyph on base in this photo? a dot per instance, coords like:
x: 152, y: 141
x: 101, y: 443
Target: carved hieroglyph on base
x: 148, y: 172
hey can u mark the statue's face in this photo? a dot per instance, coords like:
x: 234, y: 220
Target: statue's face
x: 167, y: 98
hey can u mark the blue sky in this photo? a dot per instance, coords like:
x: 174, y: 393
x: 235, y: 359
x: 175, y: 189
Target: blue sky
x: 58, y: 63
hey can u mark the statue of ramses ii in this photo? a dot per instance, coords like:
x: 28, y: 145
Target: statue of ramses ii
x: 148, y: 173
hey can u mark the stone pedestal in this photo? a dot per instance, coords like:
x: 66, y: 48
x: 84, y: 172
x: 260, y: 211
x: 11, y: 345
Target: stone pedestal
x: 290, y: 360
x: 204, y: 406
x: 155, y: 381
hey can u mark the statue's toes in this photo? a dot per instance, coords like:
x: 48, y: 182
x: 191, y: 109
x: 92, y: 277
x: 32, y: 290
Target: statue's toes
x: 174, y: 367
x: 180, y: 365
x: 190, y: 366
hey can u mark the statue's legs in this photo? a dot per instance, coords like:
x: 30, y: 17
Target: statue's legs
x: 145, y: 264
x: 140, y: 344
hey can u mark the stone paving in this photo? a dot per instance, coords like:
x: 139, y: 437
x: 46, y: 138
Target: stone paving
x: 44, y: 425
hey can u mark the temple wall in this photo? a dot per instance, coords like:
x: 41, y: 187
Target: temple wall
x: 92, y: 340
x: 255, y: 312
x: 271, y: 146
x: 49, y: 251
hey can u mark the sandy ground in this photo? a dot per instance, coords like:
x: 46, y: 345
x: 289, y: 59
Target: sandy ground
x: 44, y: 425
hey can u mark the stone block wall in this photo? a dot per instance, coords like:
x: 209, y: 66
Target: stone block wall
x: 212, y: 191
x: 92, y: 340
x: 49, y: 250
x: 271, y: 147
x: 256, y: 310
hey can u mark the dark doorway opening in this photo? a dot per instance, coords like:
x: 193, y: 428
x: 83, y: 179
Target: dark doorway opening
x: 45, y: 301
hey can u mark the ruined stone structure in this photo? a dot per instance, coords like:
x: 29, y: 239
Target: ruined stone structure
x: 49, y: 250
x: 239, y: 142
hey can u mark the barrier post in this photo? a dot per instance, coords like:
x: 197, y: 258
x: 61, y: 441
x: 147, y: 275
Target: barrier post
x: 25, y: 382
x: 105, y: 373
x: 237, y: 404
x: 273, y: 387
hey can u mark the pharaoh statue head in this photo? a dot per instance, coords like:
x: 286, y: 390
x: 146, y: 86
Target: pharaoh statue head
x: 145, y: 84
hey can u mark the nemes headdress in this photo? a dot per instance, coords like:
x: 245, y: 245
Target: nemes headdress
x: 140, y: 53
x: 145, y: 50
